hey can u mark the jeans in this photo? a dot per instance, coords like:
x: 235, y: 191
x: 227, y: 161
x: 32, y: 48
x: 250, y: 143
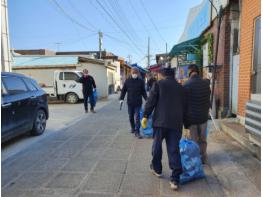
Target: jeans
x: 198, y: 134
x: 86, y: 98
x: 134, y: 116
x: 172, y: 138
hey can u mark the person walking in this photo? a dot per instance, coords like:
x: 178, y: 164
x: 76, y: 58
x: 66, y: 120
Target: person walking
x: 166, y: 99
x: 135, y: 87
x: 88, y: 86
x: 198, y: 103
x: 150, y: 82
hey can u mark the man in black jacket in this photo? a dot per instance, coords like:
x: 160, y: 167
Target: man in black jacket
x: 150, y: 82
x: 166, y: 100
x: 88, y: 86
x: 135, y: 88
x: 198, y: 103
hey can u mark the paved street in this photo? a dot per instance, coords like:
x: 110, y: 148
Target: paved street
x: 97, y: 156
x: 60, y: 116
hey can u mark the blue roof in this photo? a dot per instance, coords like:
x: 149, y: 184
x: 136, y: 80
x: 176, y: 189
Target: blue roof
x: 143, y: 70
x: 44, y: 60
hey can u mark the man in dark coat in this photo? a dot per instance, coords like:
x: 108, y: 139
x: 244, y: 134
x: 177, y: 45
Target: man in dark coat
x: 88, y: 86
x: 150, y: 82
x: 166, y: 99
x: 135, y: 88
x: 198, y: 103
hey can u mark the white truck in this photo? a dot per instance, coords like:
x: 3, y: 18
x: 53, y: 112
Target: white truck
x: 65, y: 86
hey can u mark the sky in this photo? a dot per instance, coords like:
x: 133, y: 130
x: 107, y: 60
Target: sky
x: 73, y: 25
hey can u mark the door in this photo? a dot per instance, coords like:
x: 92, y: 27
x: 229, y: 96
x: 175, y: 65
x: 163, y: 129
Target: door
x: 6, y: 110
x: 16, y: 106
x: 256, y: 73
x: 235, y: 79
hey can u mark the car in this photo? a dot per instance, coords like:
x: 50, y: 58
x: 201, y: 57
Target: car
x: 24, y: 106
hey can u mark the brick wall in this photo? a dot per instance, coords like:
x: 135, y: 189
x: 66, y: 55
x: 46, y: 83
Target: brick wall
x: 250, y: 11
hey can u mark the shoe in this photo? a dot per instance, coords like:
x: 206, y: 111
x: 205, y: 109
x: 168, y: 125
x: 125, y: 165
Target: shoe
x: 132, y: 131
x: 138, y: 136
x: 93, y: 111
x: 174, y: 185
x: 86, y: 111
x: 154, y: 172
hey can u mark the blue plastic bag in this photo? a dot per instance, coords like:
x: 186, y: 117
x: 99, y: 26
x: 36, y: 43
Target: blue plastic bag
x: 148, y: 131
x: 93, y: 98
x: 191, y: 161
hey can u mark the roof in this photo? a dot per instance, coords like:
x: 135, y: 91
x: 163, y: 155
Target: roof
x: 189, y: 46
x: 44, y: 60
x: 141, y: 69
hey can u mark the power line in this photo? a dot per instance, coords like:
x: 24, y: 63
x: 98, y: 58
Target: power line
x: 118, y: 26
x: 141, y: 21
x: 70, y: 17
x: 156, y: 28
x: 79, y: 12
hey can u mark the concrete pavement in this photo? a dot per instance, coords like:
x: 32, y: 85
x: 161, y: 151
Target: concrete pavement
x: 98, y: 157
x: 60, y: 116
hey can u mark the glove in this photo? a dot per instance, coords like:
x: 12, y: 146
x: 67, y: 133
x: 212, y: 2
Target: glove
x: 121, y: 102
x: 144, y: 123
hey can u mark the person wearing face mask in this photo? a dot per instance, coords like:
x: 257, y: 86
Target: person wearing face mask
x: 88, y: 86
x: 135, y: 88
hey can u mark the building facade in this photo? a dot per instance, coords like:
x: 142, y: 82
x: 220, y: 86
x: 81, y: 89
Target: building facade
x: 250, y: 54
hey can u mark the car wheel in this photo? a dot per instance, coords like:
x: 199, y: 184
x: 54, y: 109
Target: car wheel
x: 72, y: 98
x: 40, y: 122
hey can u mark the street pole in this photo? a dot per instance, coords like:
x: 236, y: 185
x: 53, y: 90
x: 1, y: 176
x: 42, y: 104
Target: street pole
x: 219, y: 20
x: 148, y: 56
x: 100, y: 43
x: 58, y: 44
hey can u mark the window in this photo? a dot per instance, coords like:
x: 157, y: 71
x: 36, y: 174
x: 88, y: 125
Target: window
x: 34, y: 82
x: 61, y: 76
x: 3, y: 90
x: 70, y: 76
x: 29, y: 84
x: 14, y: 85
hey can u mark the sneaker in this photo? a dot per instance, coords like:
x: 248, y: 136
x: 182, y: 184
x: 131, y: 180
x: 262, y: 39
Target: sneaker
x: 174, y: 185
x: 93, y: 111
x: 138, y: 136
x: 154, y: 172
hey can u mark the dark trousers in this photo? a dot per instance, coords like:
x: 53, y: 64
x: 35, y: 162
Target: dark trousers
x: 134, y: 116
x: 88, y: 97
x: 172, y: 139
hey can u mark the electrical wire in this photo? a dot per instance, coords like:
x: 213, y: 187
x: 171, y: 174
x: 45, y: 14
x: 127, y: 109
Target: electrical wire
x: 147, y: 13
x: 123, y: 31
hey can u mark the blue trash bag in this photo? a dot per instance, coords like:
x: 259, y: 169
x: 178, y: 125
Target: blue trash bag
x: 148, y: 131
x: 191, y: 161
x: 93, y: 98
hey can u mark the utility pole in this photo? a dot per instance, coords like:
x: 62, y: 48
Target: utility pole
x: 148, y: 56
x: 129, y: 57
x: 100, y: 43
x: 166, y: 55
x: 58, y: 45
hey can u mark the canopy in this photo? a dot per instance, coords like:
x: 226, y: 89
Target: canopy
x: 189, y: 46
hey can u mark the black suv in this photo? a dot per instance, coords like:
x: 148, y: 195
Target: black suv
x: 24, y: 106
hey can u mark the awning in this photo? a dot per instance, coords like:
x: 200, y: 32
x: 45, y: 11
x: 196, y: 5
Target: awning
x: 189, y: 46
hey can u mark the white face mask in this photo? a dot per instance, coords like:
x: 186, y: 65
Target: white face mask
x: 134, y: 76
